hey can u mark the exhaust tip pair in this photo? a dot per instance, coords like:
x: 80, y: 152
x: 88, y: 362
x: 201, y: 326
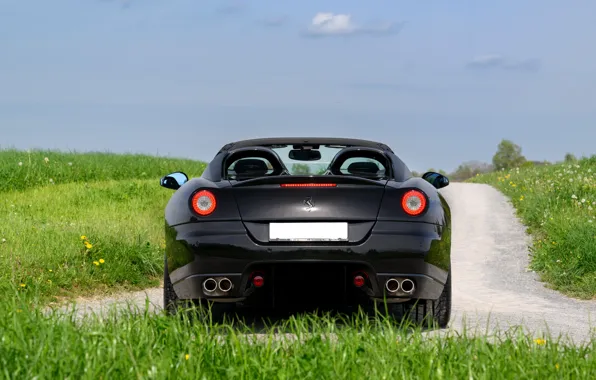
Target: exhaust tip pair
x: 393, y: 285
x: 224, y: 284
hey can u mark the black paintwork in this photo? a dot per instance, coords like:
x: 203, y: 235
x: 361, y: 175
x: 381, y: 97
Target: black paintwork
x: 233, y: 241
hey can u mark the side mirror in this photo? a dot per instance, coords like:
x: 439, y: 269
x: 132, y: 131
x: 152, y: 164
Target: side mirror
x: 436, y: 179
x: 174, y: 180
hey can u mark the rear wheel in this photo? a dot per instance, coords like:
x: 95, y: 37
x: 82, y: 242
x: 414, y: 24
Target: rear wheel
x: 170, y: 299
x: 425, y: 312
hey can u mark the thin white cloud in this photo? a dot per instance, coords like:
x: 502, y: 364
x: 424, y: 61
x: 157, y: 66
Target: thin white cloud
x: 337, y: 24
x: 329, y: 23
x: 498, y: 61
x: 486, y: 61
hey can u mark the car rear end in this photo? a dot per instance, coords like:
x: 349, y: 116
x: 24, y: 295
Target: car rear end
x: 292, y: 240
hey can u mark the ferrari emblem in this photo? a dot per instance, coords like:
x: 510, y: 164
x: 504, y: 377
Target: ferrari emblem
x: 309, y: 203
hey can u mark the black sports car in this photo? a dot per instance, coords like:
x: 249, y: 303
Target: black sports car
x: 282, y: 222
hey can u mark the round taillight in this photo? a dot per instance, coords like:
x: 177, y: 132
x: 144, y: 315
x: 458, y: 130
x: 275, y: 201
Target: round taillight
x: 258, y: 281
x: 359, y: 281
x: 413, y: 202
x: 203, y: 202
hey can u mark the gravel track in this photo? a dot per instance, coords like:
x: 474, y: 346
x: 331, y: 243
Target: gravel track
x: 492, y: 287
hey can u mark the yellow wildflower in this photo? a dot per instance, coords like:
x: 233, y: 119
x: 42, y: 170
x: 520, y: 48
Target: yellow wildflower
x: 95, y: 263
x: 83, y: 237
x: 187, y: 356
x: 521, y: 198
x: 19, y: 310
x: 557, y: 365
x: 88, y: 245
x: 539, y: 341
x: 101, y: 261
x: 23, y: 285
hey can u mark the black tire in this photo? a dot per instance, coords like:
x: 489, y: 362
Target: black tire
x: 424, y: 312
x: 170, y: 299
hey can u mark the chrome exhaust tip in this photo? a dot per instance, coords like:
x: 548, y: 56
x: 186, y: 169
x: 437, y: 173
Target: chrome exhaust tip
x: 209, y: 285
x: 225, y: 285
x: 392, y: 285
x: 407, y: 286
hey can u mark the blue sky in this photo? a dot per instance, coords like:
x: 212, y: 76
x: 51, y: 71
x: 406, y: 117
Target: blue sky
x: 442, y: 82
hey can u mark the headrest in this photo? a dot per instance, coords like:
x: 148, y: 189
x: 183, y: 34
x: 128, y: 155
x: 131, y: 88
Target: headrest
x: 251, y: 166
x: 363, y: 168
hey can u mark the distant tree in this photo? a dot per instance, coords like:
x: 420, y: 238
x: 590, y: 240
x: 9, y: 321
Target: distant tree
x: 508, y: 155
x: 301, y: 169
x: 415, y: 173
x: 470, y: 169
x: 528, y: 164
x: 569, y: 157
x: 443, y: 172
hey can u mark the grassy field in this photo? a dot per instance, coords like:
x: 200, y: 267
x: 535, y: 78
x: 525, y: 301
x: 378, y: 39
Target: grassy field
x: 21, y: 170
x: 558, y: 204
x: 141, y: 345
x: 82, y: 223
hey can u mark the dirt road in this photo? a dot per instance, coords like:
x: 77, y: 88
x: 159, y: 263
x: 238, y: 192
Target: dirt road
x: 492, y: 287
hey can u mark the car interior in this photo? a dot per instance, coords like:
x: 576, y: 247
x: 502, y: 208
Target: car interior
x: 255, y: 162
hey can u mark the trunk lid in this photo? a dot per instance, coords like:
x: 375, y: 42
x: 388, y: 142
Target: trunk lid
x: 308, y: 199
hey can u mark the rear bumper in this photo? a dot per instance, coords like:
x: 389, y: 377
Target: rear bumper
x: 196, y: 251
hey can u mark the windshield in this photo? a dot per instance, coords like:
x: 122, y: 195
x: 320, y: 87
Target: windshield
x: 308, y: 167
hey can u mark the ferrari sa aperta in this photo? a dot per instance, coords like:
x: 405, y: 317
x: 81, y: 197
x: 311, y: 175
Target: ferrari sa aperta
x: 323, y: 222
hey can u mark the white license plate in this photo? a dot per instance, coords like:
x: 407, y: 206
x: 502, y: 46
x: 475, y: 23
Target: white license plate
x: 308, y: 231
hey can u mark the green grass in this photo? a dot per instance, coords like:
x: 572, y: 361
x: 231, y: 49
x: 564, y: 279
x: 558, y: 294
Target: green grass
x: 141, y: 345
x: 558, y: 204
x: 115, y: 201
x: 22, y: 170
